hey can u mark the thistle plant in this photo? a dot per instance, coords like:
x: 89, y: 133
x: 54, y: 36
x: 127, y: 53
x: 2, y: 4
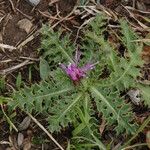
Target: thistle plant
x: 65, y: 103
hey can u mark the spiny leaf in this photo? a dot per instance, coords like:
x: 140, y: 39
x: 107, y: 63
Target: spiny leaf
x: 116, y: 111
x: 63, y: 113
x: 38, y: 97
x: 54, y: 48
x: 145, y: 92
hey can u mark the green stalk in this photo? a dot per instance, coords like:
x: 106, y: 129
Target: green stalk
x: 135, y: 145
x: 98, y: 142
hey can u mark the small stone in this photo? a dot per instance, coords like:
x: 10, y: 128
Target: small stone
x: 20, y: 139
x: 33, y: 2
x: 133, y: 94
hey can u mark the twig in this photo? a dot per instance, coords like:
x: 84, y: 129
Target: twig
x: 11, y: 87
x: 30, y: 38
x: 6, y: 61
x: 7, y: 46
x: 53, y: 1
x: 135, y: 27
x: 12, y: 5
x: 141, y: 40
x: 29, y: 58
x: 132, y: 15
x: 85, y: 23
x: 135, y: 145
x: 105, y: 10
x: 2, y: 18
x: 41, y: 126
x: 58, y: 12
x: 64, y: 18
x: 8, y: 119
x: 133, y: 4
x: 5, y: 142
x: 7, y: 18
x: 144, y: 12
x: 45, y: 14
x: 29, y: 17
x: 11, y: 69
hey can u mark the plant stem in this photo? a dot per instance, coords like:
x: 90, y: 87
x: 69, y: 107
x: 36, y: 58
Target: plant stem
x: 98, y: 142
x: 41, y: 126
x: 8, y: 119
x: 135, y: 145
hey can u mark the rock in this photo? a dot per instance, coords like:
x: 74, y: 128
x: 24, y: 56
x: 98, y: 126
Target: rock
x: 33, y: 2
x: 20, y: 139
x: 133, y: 94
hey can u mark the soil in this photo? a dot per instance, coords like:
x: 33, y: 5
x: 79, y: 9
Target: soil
x: 12, y: 11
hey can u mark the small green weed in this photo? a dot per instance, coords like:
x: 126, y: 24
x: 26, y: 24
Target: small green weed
x: 74, y: 95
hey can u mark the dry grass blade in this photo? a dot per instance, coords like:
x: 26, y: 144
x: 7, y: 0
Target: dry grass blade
x: 30, y: 38
x: 12, y: 5
x: 131, y: 8
x: 8, y: 119
x: 85, y: 23
x: 41, y: 126
x: 7, y: 46
x: 6, y: 61
x: 11, y: 69
x: 65, y: 18
x: 27, y: 16
x: 5, y: 142
x: 140, y: 23
x: 141, y: 40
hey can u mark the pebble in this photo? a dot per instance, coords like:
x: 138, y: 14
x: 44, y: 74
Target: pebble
x: 33, y: 2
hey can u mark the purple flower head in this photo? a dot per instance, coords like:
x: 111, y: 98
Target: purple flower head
x: 74, y: 72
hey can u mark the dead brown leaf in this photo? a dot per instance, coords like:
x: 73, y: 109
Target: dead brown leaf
x: 25, y: 24
x: 139, y: 119
x: 25, y: 123
x: 102, y: 126
x: 13, y: 141
x: 148, y: 138
x: 27, y: 144
x: 146, y: 54
x: 20, y: 139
